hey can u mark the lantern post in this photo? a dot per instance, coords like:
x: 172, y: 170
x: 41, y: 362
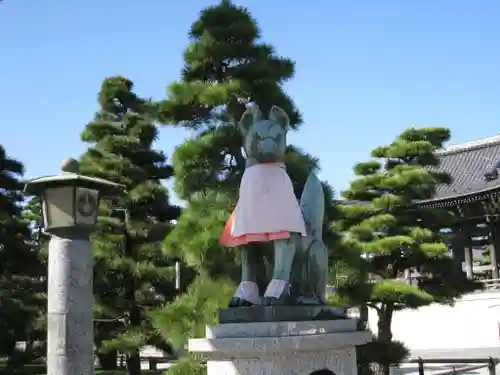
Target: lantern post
x: 70, y: 206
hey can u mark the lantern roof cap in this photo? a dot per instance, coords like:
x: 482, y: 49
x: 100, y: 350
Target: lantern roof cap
x: 70, y: 177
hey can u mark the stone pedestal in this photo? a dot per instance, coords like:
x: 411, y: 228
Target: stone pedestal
x: 281, y: 347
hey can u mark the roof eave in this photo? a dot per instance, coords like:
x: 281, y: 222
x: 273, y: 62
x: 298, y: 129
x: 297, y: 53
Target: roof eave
x: 38, y: 185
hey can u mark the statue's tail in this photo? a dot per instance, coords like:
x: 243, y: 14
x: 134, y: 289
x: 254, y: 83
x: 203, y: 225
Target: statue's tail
x: 312, y: 204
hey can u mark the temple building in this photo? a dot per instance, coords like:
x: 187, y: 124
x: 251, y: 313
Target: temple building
x: 474, y: 195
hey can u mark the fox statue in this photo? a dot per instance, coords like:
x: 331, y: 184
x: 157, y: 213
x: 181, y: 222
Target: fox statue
x: 283, y: 258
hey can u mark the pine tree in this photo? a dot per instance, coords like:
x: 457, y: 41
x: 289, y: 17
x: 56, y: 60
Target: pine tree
x: 21, y: 299
x: 226, y: 66
x: 131, y: 274
x: 39, y: 241
x: 395, y: 234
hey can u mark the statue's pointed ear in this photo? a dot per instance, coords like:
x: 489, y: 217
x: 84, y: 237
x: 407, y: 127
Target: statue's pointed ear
x: 276, y: 114
x: 250, y: 117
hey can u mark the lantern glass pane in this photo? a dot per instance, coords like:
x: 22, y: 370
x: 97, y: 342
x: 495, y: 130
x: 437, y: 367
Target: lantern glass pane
x: 59, y: 207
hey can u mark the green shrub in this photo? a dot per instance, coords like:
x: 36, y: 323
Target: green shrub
x: 187, y: 366
x: 124, y: 372
x: 31, y: 369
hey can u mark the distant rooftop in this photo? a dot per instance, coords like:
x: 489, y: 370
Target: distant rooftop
x: 474, y: 167
x: 470, y: 145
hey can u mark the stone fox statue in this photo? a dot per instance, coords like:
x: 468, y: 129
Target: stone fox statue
x: 283, y: 258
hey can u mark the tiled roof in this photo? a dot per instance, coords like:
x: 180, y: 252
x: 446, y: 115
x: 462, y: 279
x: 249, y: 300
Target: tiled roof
x: 469, y: 164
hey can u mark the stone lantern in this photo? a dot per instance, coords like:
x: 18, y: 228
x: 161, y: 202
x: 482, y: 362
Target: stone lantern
x: 70, y: 205
x: 70, y: 200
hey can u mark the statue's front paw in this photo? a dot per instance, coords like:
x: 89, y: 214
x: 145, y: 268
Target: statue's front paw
x: 277, y: 293
x: 239, y: 302
x: 246, y: 295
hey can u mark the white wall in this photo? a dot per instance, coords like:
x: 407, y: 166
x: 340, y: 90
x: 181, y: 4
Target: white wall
x: 473, y: 322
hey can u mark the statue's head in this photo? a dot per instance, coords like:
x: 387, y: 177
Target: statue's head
x: 264, y: 140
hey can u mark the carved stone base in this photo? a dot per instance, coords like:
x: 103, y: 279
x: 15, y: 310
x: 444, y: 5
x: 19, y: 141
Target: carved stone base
x: 280, y: 314
x: 288, y: 348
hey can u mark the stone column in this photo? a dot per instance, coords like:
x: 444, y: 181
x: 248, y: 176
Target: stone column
x: 462, y: 244
x: 468, y: 261
x: 493, y: 226
x: 70, y: 299
x: 70, y: 206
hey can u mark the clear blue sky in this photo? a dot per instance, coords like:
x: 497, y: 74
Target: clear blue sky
x: 366, y: 69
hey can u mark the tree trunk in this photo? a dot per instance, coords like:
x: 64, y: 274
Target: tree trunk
x: 108, y: 361
x: 363, y: 317
x: 134, y: 363
x: 133, y: 358
x: 384, y: 334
